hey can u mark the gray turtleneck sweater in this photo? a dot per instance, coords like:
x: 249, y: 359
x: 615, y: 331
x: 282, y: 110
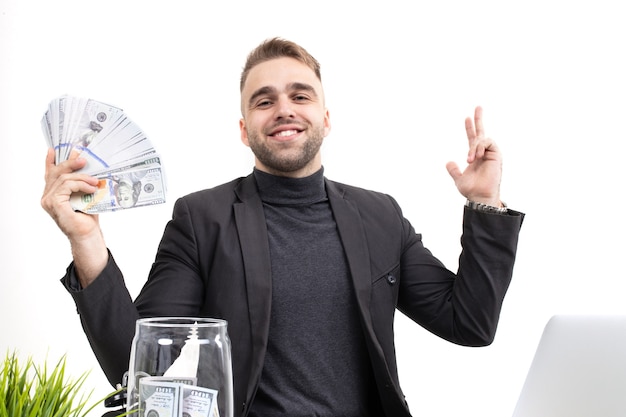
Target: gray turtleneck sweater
x: 316, y: 362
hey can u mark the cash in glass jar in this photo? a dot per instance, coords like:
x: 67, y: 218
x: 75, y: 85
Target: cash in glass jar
x: 180, y: 367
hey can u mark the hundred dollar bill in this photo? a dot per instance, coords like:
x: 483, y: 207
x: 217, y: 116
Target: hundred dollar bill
x: 73, y: 121
x: 148, y: 161
x: 86, y: 122
x: 199, y: 402
x: 127, y: 147
x: 184, y: 380
x: 123, y: 190
x: 124, y: 140
x: 116, y: 150
x: 95, y: 166
x: 46, y: 127
x: 158, y: 398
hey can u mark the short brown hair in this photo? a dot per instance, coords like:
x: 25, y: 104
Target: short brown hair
x: 278, y: 48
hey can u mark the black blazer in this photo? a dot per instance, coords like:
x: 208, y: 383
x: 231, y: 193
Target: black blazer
x: 213, y: 261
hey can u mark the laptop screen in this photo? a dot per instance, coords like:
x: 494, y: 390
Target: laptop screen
x: 579, y: 369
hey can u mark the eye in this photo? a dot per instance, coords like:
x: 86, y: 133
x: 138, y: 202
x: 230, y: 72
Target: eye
x: 264, y: 103
x: 300, y: 97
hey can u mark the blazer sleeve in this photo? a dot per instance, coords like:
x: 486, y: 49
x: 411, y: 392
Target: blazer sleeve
x: 107, y: 312
x: 108, y: 317
x: 463, y: 308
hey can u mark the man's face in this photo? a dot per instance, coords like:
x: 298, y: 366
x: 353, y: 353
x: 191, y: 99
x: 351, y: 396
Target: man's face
x: 284, y: 118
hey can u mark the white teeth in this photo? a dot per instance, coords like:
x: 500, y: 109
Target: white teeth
x: 286, y: 133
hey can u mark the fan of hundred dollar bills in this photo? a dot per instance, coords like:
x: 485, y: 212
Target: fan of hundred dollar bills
x: 118, y: 153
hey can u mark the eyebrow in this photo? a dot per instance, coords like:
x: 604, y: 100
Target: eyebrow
x: 261, y: 92
x: 302, y: 87
x: 296, y: 86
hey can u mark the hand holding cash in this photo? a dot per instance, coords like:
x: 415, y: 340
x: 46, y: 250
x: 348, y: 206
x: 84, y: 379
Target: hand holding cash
x: 117, y: 152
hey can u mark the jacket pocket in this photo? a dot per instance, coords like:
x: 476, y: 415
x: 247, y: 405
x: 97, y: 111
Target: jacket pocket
x: 385, y: 291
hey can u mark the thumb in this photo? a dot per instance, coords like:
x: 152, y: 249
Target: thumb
x: 453, y: 170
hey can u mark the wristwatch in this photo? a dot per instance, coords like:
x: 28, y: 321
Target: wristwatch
x: 487, y: 208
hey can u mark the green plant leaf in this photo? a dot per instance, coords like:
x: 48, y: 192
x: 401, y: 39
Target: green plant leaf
x: 28, y: 390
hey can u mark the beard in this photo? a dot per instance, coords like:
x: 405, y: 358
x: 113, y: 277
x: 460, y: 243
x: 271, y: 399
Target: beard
x: 286, y: 158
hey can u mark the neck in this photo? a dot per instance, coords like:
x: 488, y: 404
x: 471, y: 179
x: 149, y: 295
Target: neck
x: 309, y: 169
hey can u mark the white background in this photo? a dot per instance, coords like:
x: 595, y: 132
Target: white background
x: 400, y: 78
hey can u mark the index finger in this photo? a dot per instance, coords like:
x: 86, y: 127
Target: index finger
x: 73, y: 163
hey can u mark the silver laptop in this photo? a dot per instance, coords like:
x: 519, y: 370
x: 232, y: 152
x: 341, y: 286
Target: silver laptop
x: 579, y: 369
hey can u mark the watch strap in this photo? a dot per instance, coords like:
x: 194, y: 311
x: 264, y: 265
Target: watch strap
x: 486, y: 207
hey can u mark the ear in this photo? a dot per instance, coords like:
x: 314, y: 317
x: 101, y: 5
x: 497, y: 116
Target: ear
x: 326, y: 123
x: 243, y: 132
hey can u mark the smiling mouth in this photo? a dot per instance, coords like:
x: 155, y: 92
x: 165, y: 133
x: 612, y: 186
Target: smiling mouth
x: 286, y: 133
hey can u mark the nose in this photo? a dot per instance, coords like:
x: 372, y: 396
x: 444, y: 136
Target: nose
x: 284, y: 107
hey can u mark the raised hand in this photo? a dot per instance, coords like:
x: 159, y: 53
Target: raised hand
x: 480, y: 181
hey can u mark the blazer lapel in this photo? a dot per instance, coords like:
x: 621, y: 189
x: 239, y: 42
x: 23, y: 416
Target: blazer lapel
x: 354, y: 242
x: 352, y: 234
x: 253, y: 238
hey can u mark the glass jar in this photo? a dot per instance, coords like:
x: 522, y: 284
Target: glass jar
x: 180, y: 367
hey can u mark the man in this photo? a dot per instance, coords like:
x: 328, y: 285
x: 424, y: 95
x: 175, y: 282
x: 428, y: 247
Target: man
x: 307, y: 272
